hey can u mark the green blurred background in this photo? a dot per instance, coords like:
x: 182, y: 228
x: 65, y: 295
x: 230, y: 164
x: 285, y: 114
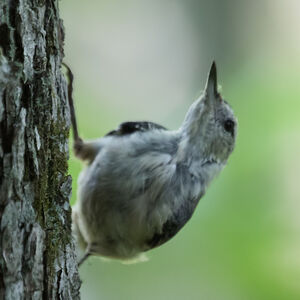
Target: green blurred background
x: 147, y: 60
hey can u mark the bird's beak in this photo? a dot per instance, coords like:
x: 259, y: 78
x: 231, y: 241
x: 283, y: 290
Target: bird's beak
x: 211, y: 87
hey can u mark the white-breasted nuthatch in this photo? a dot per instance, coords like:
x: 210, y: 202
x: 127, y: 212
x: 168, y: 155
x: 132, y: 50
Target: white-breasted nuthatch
x: 143, y: 182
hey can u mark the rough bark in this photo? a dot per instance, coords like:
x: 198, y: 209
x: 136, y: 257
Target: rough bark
x: 37, y: 257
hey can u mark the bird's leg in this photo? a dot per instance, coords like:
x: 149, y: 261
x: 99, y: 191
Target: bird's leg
x: 85, y: 150
x: 85, y: 256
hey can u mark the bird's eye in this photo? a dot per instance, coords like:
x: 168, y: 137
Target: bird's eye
x: 229, y: 126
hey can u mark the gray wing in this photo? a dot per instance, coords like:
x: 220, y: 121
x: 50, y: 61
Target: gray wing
x: 131, y: 127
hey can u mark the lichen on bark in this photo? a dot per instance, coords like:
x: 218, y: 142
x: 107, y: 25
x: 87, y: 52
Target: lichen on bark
x: 37, y: 256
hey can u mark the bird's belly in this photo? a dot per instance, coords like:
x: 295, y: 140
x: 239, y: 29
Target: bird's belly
x: 113, y: 226
x: 174, y: 223
x: 124, y: 213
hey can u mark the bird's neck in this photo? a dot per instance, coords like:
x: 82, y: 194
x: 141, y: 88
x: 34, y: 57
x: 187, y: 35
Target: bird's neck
x: 191, y: 149
x: 198, y: 158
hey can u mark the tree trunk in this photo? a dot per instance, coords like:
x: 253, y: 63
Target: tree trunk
x: 37, y: 257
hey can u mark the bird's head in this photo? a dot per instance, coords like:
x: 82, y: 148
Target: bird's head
x: 210, y: 127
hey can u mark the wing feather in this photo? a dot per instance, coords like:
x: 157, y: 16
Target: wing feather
x: 131, y: 127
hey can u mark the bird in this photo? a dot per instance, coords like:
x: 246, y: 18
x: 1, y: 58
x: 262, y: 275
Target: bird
x: 142, y: 182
